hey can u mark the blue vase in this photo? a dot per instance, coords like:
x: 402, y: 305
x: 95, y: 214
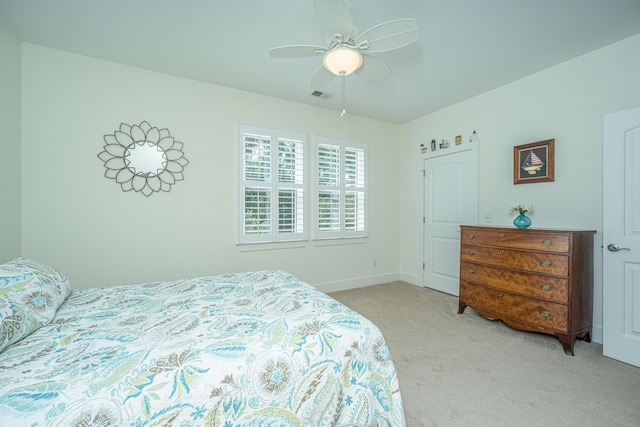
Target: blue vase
x: 522, y: 221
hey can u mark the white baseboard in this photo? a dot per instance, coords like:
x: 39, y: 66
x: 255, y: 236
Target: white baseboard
x: 359, y: 282
x: 362, y: 282
x: 411, y: 279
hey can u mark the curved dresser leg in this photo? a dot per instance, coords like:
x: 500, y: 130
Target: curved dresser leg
x: 461, y: 306
x: 586, y: 337
x: 567, y: 342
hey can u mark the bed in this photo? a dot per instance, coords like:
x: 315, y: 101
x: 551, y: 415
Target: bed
x: 248, y: 349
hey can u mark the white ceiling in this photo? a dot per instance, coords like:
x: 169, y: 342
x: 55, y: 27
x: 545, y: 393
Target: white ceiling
x: 466, y: 47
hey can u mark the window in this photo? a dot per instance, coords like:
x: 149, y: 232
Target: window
x: 340, y: 185
x: 271, y: 190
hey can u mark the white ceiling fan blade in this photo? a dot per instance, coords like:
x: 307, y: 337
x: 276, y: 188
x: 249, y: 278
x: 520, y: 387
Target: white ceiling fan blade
x: 296, y: 51
x: 373, y: 69
x: 389, y: 35
x: 334, y: 17
x: 321, y: 78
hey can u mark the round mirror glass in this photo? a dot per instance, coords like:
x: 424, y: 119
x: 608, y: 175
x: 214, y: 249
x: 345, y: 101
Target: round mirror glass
x: 145, y: 159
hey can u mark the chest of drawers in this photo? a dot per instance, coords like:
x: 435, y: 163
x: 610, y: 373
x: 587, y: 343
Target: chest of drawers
x: 531, y: 279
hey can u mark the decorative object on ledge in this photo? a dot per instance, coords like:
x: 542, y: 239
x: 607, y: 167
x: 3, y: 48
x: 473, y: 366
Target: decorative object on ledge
x: 143, y: 158
x: 522, y: 220
x: 534, y: 162
x: 473, y: 137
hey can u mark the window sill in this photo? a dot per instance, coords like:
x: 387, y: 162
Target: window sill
x: 250, y: 247
x: 343, y: 241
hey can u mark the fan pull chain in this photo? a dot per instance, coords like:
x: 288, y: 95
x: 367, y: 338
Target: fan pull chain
x: 344, y: 110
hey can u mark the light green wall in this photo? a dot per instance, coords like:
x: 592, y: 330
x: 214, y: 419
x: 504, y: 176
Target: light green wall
x: 10, y: 191
x: 83, y: 223
x: 566, y: 102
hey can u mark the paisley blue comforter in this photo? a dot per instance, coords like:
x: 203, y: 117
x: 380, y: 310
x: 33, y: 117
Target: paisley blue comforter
x: 249, y: 349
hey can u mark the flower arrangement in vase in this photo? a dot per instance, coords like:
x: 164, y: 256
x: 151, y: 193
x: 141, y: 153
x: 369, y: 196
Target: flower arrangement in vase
x: 522, y: 220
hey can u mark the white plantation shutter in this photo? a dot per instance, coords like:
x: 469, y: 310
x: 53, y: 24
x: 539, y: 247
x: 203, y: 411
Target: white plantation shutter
x: 291, y: 186
x: 340, y: 189
x: 328, y: 202
x: 354, y: 161
x: 271, y: 184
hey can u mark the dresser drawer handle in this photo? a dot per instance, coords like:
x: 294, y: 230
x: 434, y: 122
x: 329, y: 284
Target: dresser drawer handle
x: 501, y: 235
x: 471, y: 252
x: 471, y: 236
x: 545, y: 287
x: 501, y: 251
x: 501, y: 272
x: 545, y: 314
x: 469, y: 291
x: 470, y: 271
x: 500, y: 294
x: 545, y: 263
x: 546, y: 242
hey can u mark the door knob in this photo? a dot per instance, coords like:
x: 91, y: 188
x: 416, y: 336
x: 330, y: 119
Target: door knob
x: 615, y: 248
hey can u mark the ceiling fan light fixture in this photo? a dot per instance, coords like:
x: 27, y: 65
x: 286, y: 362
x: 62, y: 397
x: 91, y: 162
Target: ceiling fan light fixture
x: 342, y: 61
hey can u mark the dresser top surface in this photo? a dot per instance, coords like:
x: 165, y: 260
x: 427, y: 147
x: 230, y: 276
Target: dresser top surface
x: 525, y: 230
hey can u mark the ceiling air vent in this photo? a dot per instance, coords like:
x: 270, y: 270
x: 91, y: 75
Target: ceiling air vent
x: 319, y: 94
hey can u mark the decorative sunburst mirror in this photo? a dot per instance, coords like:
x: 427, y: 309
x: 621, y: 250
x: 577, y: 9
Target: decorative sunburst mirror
x: 143, y: 158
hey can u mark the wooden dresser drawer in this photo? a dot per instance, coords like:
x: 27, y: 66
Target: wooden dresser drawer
x: 540, y: 262
x: 537, y: 285
x: 517, y: 239
x: 537, y: 312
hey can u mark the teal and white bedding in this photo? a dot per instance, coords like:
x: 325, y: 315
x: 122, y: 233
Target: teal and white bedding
x: 248, y: 349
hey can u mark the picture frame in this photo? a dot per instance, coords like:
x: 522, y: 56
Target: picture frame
x: 534, y: 162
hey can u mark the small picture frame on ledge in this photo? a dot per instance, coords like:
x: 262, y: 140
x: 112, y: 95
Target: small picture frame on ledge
x: 534, y: 162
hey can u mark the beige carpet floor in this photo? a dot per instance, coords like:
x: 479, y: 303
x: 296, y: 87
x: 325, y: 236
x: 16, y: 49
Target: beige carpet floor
x: 464, y: 370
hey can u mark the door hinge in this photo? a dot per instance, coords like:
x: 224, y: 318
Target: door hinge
x: 423, y: 173
x: 424, y: 220
x: 423, y: 266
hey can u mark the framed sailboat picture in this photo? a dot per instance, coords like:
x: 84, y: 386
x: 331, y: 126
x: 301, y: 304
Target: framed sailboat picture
x: 533, y: 162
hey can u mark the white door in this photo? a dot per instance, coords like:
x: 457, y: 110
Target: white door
x: 450, y: 199
x: 621, y: 237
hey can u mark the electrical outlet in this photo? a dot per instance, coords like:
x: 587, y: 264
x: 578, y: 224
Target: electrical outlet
x: 487, y: 217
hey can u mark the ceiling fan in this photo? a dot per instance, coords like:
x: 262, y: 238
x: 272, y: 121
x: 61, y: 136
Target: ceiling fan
x: 346, y: 49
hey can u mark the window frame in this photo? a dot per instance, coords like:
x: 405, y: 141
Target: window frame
x: 273, y: 186
x: 342, y: 188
